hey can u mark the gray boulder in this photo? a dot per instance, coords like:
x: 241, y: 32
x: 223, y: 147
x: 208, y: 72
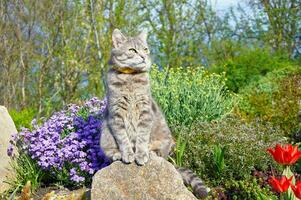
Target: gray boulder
x: 157, y: 180
x: 7, y: 128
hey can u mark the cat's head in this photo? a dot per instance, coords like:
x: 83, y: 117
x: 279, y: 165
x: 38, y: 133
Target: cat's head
x: 130, y: 52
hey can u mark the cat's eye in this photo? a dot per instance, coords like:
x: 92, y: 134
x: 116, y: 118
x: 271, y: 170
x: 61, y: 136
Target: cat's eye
x: 132, y: 50
x: 145, y: 49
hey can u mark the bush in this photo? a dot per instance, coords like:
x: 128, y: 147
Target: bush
x: 244, y: 148
x: 274, y: 98
x: 247, y: 190
x: 190, y: 95
x: 249, y: 65
x: 66, y: 147
x: 23, y: 118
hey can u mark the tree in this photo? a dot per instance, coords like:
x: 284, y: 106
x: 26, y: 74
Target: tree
x: 283, y: 20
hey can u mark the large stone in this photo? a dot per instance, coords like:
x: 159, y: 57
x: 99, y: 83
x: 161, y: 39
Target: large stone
x: 158, y: 179
x: 7, y: 128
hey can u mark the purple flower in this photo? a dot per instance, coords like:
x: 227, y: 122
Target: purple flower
x: 68, y: 139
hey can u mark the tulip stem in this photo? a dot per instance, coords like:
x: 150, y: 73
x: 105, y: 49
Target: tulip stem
x: 289, y: 195
x: 288, y: 173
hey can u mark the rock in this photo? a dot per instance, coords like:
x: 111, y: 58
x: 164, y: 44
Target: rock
x: 59, y: 192
x: 158, y: 179
x: 7, y: 128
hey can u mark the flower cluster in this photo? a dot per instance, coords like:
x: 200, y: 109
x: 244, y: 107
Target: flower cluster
x: 286, y: 155
x: 68, y: 142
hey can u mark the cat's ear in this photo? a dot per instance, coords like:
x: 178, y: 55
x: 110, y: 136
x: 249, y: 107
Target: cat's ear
x: 143, y: 36
x: 117, y: 38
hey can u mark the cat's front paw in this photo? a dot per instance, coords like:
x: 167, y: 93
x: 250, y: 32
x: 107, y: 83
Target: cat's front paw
x: 141, y: 158
x: 128, y: 157
x: 116, y: 156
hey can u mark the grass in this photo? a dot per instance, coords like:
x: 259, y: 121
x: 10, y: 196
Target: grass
x: 179, y: 151
x: 25, y: 170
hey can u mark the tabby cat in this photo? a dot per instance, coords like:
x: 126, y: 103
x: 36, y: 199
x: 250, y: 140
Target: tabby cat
x: 134, y: 124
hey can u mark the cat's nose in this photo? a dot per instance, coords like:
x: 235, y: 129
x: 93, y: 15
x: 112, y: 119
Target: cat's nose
x: 143, y: 57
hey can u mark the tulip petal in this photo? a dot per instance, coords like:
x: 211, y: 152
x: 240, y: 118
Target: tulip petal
x: 279, y: 154
x: 295, y: 157
x: 271, y: 151
x: 295, y: 150
x: 275, y: 184
x: 297, y: 189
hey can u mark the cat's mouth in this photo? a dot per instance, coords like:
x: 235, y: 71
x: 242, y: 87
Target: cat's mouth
x: 140, y: 65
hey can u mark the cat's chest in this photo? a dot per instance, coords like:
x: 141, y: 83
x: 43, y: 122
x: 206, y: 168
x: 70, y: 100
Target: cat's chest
x: 129, y: 84
x: 131, y: 93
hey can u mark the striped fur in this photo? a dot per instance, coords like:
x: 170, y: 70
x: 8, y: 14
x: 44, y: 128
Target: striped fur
x: 191, y: 179
x: 134, y: 125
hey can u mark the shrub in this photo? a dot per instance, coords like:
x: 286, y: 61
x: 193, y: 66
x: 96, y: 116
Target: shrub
x: 66, y: 147
x: 23, y: 118
x: 249, y: 65
x: 244, y: 148
x: 190, y: 95
x: 274, y: 98
x: 247, y: 189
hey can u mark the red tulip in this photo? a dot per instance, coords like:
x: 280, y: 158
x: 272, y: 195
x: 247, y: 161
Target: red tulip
x: 285, y: 155
x: 297, y: 189
x: 281, y: 185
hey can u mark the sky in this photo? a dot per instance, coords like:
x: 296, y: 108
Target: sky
x: 224, y: 4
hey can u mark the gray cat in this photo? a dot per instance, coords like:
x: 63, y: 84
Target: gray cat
x: 134, y: 124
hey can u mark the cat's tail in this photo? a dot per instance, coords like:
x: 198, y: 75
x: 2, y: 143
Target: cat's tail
x: 191, y: 179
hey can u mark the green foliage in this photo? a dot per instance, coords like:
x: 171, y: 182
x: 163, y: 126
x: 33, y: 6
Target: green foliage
x: 218, y: 158
x: 25, y: 169
x: 23, y: 118
x: 274, y: 98
x: 262, y: 196
x: 244, y: 144
x: 179, y: 150
x: 190, y: 95
x: 247, y: 65
x: 248, y: 189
